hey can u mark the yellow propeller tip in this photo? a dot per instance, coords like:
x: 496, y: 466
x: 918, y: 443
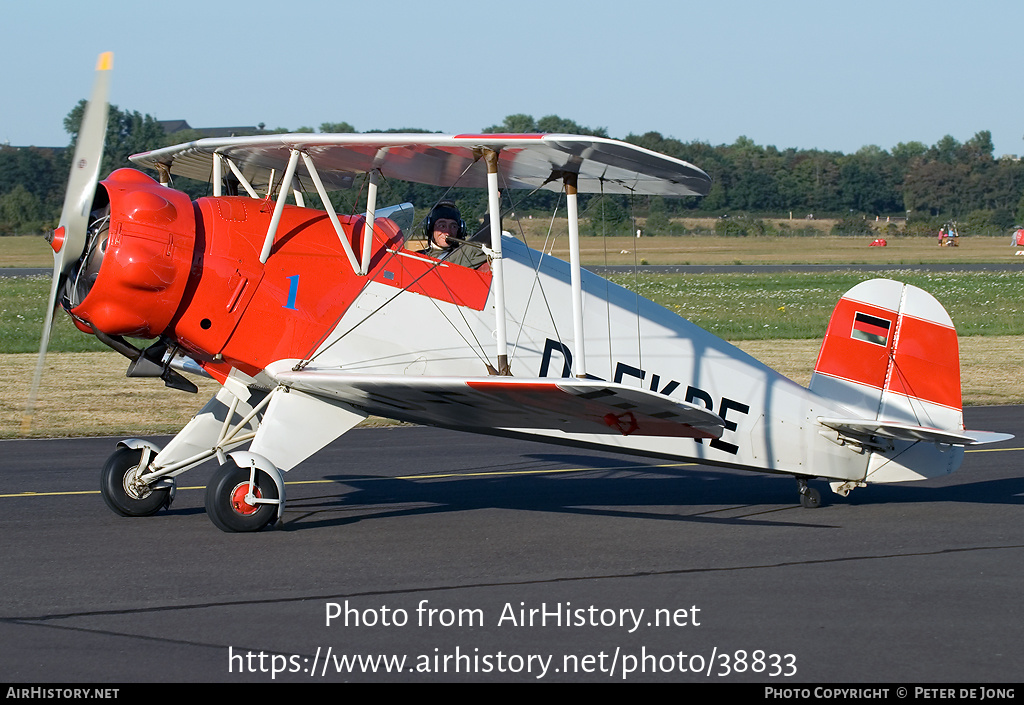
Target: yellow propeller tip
x: 106, y: 61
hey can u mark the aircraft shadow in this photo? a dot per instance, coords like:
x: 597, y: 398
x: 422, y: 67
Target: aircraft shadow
x: 586, y: 486
x: 615, y: 487
x: 1001, y: 491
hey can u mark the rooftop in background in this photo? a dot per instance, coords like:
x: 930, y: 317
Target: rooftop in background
x: 172, y: 126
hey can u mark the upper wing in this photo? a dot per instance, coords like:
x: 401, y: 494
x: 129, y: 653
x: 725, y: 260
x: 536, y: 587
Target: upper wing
x: 525, y: 161
x: 570, y: 405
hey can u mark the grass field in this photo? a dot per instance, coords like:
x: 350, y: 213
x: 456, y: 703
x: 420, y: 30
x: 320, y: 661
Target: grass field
x: 732, y: 306
x: 799, y: 304
x: 780, y: 250
x: 86, y: 394
x: 777, y: 318
x: 25, y: 251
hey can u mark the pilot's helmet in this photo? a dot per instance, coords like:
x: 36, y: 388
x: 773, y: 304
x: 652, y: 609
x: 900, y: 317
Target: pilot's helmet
x: 444, y: 209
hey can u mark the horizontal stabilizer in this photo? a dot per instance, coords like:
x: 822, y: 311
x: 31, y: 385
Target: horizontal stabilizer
x: 569, y: 405
x: 909, y: 432
x: 982, y: 437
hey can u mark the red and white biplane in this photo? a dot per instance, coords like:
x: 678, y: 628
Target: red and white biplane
x: 311, y: 321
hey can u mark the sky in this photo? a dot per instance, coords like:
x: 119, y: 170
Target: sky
x: 789, y: 73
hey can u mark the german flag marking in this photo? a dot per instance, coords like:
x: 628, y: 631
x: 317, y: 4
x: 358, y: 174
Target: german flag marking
x: 871, y: 329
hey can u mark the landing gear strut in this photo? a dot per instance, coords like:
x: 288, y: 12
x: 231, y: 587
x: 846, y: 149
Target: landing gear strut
x: 810, y: 498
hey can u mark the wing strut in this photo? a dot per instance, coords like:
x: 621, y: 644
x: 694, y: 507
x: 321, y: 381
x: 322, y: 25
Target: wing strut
x: 218, y: 175
x: 322, y: 192
x: 238, y: 175
x: 289, y: 175
x: 579, y: 359
x: 497, y: 272
x: 275, y: 219
x: 371, y: 208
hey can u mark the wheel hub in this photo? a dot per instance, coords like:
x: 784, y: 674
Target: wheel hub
x: 133, y: 486
x: 238, y: 502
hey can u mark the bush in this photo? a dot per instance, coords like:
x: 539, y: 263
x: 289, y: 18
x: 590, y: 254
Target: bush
x: 992, y: 223
x: 744, y: 227
x: 852, y: 225
x: 924, y: 226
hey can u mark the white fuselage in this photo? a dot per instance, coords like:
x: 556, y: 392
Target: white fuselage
x: 771, y: 421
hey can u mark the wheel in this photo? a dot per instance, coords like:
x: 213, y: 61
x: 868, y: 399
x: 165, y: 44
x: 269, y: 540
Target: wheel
x: 225, y: 499
x: 123, y: 493
x: 810, y: 499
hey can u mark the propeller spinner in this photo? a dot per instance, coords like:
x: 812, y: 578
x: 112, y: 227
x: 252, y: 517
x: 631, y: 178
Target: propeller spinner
x: 69, y: 239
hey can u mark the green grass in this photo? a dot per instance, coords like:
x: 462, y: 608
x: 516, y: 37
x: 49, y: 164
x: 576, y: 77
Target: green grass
x: 732, y: 306
x: 798, y: 305
x: 22, y: 307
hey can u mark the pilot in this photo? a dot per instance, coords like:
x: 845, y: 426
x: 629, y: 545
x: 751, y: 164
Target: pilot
x: 445, y: 231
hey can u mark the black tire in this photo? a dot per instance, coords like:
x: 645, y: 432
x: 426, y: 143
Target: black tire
x: 120, y: 494
x: 225, y: 503
x: 811, y: 499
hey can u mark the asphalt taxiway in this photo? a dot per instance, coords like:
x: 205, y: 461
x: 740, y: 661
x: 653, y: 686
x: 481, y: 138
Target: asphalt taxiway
x: 451, y: 557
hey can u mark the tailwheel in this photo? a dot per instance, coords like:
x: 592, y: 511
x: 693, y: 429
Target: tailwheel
x: 228, y: 503
x: 810, y: 498
x: 122, y: 490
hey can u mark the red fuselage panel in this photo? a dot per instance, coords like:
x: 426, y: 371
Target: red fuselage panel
x: 190, y: 272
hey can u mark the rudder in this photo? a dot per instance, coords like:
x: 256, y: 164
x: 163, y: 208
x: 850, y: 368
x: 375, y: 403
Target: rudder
x: 891, y: 353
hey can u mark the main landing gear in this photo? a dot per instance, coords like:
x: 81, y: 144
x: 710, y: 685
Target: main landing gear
x: 810, y: 498
x: 241, y: 499
x: 245, y: 494
x: 124, y: 492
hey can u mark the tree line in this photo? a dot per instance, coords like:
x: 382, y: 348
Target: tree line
x: 928, y: 185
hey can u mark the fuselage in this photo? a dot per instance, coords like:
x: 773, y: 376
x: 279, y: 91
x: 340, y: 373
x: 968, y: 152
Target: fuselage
x: 770, y: 420
x: 413, y: 315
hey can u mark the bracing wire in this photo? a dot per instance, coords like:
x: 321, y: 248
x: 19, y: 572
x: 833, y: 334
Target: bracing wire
x: 315, y: 353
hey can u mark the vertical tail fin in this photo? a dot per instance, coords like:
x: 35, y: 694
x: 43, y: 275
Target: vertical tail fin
x: 891, y: 354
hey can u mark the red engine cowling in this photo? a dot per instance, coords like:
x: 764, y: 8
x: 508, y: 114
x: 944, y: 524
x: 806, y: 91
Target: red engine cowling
x: 144, y: 259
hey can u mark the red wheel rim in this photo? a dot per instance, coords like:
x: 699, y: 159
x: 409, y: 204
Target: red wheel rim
x: 238, y: 503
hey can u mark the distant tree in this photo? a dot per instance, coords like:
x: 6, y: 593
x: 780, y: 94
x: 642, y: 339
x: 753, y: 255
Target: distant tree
x: 605, y: 215
x: 21, y: 213
x: 38, y: 171
x: 904, y: 152
x: 978, y: 149
x: 402, y: 130
x: 657, y: 218
x: 852, y: 225
x: 336, y: 127
x: 946, y: 150
x: 514, y: 124
x: 947, y: 179
x: 935, y: 187
x: 869, y: 181
x: 127, y: 133
x: 553, y: 123
x: 521, y: 123
x: 717, y: 200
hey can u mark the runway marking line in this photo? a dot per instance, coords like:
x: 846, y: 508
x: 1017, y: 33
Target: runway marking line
x: 399, y: 477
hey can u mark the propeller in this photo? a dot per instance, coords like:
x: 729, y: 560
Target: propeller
x: 69, y: 239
